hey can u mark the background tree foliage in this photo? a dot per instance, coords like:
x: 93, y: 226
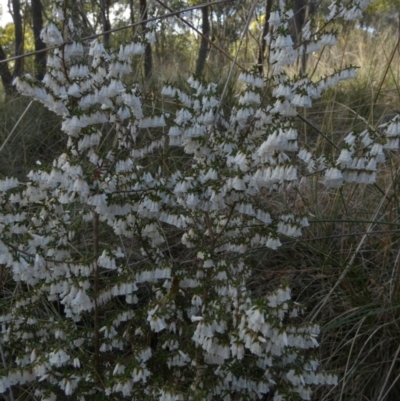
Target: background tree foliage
x: 211, y: 31
x: 199, y: 39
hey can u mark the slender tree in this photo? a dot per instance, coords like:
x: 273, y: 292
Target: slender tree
x: 204, y: 45
x: 5, y: 74
x: 148, y: 57
x: 302, y: 9
x: 299, y: 10
x: 132, y: 13
x: 40, y: 58
x: 105, y: 20
x: 19, y: 38
x: 263, y: 42
x: 81, y: 19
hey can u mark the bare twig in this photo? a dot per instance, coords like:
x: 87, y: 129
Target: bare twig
x: 96, y: 291
x: 316, y: 129
x: 16, y: 125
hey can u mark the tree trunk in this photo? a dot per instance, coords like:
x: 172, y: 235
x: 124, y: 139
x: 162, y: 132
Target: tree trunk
x: 79, y: 17
x: 302, y: 10
x: 299, y: 10
x: 148, y: 58
x: 19, y: 38
x: 105, y: 20
x: 5, y: 74
x: 40, y: 58
x: 132, y: 15
x: 204, y: 46
x: 263, y: 42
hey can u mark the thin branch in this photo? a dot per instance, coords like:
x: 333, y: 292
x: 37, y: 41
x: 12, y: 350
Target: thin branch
x: 317, y: 129
x: 227, y: 222
x: 96, y: 292
x: 16, y: 125
x: 353, y: 234
x: 396, y: 47
x: 210, y: 230
x: 385, y: 223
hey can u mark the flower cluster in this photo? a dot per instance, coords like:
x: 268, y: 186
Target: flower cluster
x: 131, y: 271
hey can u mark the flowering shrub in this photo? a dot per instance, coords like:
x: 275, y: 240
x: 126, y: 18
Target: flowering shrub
x: 131, y: 252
